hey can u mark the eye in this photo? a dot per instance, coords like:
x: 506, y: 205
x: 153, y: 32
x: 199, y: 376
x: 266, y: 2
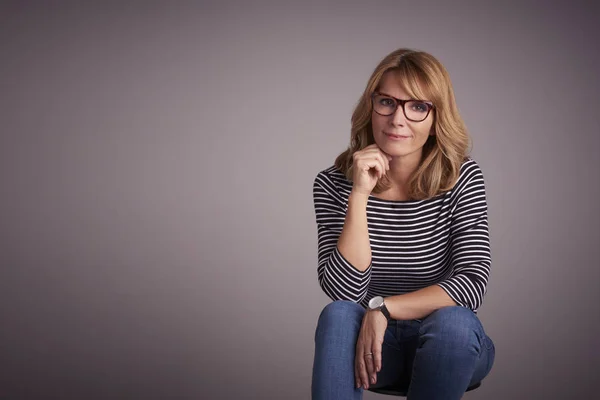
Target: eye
x: 419, y: 106
x: 386, y: 101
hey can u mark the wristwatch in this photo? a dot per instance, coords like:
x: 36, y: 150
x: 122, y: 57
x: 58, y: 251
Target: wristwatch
x: 377, y: 303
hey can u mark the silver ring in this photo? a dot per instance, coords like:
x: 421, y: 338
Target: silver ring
x: 368, y: 354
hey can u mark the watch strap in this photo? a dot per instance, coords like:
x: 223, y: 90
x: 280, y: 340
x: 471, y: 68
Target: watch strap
x: 385, y: 312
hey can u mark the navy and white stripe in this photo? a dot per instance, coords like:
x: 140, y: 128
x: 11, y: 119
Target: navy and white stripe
x: 414, y: 244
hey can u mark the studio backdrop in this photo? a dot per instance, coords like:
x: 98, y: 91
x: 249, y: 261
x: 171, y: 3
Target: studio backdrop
x: 158, y: 236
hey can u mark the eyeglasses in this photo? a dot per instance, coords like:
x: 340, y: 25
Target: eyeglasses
x: 414, y: 110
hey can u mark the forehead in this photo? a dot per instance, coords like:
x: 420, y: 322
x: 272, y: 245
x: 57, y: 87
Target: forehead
x: 395, y: 84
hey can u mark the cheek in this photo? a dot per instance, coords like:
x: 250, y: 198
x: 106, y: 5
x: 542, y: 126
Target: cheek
x: 425, y: 130
x: 377, y: 122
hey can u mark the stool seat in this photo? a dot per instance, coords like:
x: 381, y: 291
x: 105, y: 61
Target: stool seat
x: 403, y: 391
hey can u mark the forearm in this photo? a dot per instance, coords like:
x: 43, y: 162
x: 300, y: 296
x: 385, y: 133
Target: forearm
x: 418, y: 304
x: 353, y: 242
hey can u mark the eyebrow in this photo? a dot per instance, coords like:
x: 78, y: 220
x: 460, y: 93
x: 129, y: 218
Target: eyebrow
x: 389, y: 95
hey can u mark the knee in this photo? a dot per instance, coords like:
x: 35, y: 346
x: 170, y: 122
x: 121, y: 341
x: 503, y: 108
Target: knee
x: 340, y: 313
x: 454, y: 326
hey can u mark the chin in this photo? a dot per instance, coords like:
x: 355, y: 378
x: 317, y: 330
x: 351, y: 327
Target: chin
x: 395, y: 149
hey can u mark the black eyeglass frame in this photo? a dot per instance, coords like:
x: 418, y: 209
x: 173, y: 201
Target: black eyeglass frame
x: 400, y: 102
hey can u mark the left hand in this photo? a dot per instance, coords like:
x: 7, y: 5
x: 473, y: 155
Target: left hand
x: 370, y: 340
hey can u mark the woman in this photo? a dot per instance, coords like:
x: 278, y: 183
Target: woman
x: 403, y: 243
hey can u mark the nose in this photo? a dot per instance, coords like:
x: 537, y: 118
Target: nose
x: 398, y: 118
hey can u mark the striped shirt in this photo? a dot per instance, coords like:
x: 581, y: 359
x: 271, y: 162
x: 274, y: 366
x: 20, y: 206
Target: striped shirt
x: 440, y: 241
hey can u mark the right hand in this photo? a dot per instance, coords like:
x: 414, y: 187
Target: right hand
x: 369, y: 165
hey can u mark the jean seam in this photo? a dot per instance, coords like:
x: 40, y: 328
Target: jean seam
x: 391, y: 346
x: 489, y: 344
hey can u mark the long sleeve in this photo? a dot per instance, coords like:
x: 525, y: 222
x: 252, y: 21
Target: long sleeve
x: 470, y: 244
x: 337, y: 277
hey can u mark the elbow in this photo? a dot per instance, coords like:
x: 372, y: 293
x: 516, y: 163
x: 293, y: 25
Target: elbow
x: 338, y: 291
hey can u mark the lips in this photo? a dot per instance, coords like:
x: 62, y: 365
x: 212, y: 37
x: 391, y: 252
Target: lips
x: 396, y: 136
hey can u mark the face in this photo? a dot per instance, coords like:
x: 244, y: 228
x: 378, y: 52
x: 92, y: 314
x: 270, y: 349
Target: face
x: 413, y: 135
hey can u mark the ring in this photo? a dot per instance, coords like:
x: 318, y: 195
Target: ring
x: 368, y: 354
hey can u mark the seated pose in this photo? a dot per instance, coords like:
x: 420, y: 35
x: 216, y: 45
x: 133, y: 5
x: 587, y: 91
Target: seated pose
x: 403, y: 243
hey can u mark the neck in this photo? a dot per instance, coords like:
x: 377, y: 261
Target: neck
x: 402, y: 167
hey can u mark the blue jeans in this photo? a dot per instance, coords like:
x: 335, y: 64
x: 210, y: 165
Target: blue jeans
x: 439, y: 356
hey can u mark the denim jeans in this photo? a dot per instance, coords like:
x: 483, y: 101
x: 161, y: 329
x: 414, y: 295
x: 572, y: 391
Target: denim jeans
x: 439, y: 356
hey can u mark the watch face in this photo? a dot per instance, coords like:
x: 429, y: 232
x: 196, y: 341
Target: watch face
x: 376, y: 302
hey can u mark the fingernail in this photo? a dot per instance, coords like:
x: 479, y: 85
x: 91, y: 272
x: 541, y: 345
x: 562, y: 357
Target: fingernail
x: 373, y: 380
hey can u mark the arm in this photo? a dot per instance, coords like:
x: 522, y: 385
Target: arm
x: 344, y: 250
x: 418, y: 304
x: 470, y: 257
x: 354, y: 241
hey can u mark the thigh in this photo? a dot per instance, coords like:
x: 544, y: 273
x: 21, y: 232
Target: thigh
x: 407, y: 335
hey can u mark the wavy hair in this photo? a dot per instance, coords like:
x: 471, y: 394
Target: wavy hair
x: 422, y: 77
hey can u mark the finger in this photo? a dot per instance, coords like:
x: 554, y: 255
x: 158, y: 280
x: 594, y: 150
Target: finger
x: 372, y: 163
x: 381, y: 162
x: 371, y: 149
x: 387, y: 158
x: 357, y: 373
x: 376, y: 152
x: 379, y: 156
x: 371, y: 146
x: 370, y: 368
x: 365, y: 151
x: 384, y: 161
x: 384, y: 157
x: 362, y: 371
x: 377, y: 358
x: 357, y: 360
x: 379, y: 168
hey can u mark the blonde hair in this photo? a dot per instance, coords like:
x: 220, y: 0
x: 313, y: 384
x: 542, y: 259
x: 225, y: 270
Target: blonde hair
x: 423, y: 77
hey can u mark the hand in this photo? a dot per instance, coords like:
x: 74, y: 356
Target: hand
x: 370, y: 340
x: 369, y: 165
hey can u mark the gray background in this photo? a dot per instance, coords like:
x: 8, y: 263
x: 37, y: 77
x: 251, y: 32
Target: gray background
x: 157, y: 159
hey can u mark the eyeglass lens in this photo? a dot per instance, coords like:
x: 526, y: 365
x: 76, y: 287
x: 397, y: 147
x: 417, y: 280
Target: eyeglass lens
x: 414, y: 110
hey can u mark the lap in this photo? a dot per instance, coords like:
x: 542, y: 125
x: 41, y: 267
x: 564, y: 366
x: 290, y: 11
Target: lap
x: 402, y: 339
